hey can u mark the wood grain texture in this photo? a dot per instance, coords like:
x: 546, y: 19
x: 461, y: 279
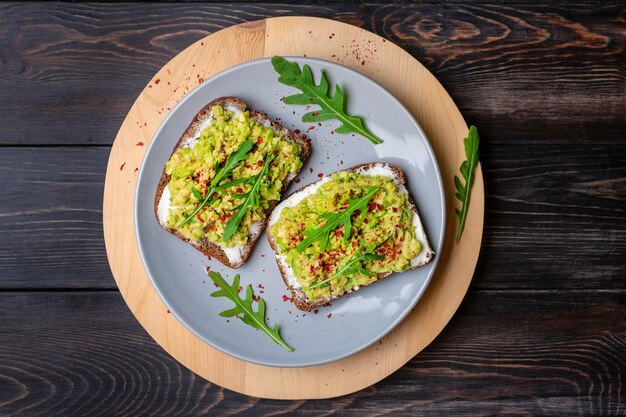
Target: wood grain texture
x: 393, y: 69
x: 544, y: 83
x: 529, y: 353
x: 554, y: 218
x: 526, y: 72
x: 51, y: 218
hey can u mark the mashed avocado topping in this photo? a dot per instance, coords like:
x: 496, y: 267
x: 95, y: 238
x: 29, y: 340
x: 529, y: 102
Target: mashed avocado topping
x: 263, y: 171
x: 381, y: 238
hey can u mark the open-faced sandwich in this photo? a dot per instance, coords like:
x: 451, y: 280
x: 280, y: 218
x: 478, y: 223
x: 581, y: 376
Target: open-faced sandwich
x: 346, y: 231
x: 225, y: 175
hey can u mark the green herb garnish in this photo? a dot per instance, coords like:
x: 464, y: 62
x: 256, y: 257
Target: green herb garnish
x: 251, y: 199
x: 243, y: 307
x: 468, y: 167
x: 331, y: 107
x: 353, y: 265
x: 335, y: 219
x: 233, y: 160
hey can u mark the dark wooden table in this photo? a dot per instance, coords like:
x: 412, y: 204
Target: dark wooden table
x: 542, y: 329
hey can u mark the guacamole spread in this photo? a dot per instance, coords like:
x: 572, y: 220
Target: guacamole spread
x: 381, y: 237
x: 192, y: 169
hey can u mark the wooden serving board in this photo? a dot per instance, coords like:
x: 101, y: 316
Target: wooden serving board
x: 373, y: 56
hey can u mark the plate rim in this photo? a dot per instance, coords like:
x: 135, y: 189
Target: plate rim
x: 393, y: 324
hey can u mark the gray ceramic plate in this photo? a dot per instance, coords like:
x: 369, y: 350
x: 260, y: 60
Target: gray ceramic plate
x: 353, y: 322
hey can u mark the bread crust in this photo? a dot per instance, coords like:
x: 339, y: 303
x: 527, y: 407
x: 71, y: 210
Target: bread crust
x: 205, y: 246
x: 299, y: 297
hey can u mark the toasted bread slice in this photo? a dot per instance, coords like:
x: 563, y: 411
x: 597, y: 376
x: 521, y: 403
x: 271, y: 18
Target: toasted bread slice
x: 369, y: 169
x: 232, y: 257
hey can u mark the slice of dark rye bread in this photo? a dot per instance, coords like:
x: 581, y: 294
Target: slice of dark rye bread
x: 205, y: 246
x: 426, y: 255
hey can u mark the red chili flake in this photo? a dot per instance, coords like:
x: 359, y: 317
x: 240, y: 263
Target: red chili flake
x: 315, y: 114
x: 259, y: 140
x: 371, y: 207
x: 319, y: 124
x: 315, y: 311
x: 320, y: 175
x: 329, y: 315
x: 311, y: 170
x: 215, y: 285
x: 239, y: 288
x: 262, y: 255
x: 309, y: 107
x: 122, y: 166
x: 139, y: 144
x: 297, y: 180
x: 260, y: 286
x: 198, y: 217
x: 311, y: 128
x: 339, y: 233
x: 380, y: 206
x: 157, y: 81
x: 394, y: 209
x: 259, y: 164
x: 255, y: 298
x: 332, y: 132
x: 297, y: 131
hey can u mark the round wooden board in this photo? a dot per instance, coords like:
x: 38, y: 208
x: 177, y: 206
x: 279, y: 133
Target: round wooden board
x: 373, y: 56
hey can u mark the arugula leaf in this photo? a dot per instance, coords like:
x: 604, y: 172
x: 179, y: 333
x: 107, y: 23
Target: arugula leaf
x: 197, y: 194
x: 251, y: 199
x: 468, y: 168
x: 243, y: 307
x: 353, y: 265
x: 335, y: 219
x: 233, y: 160
x: 331, y: 107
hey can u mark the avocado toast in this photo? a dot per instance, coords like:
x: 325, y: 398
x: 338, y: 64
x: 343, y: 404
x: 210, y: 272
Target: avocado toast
x: 225, y: 175
x: 346, y: 231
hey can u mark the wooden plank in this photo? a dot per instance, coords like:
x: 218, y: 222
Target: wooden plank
x: 530, y: 73
x: 534, y: 353
x: 554, y: 218
x: 51, y: 218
